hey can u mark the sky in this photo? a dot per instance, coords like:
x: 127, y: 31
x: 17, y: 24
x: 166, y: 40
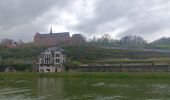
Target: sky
x: 21, y: 19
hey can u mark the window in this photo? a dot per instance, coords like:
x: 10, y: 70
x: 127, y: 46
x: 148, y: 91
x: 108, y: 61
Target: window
x: 57, y: 55
x: 42, y: 61
x: 47, y: 61
x: 48, y: 70
x: 42, y: 70
x: 57, y: 60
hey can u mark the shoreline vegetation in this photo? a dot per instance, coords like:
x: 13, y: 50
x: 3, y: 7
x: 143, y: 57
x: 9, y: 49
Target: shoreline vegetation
x: 86, y: 75
x: 21, y: 60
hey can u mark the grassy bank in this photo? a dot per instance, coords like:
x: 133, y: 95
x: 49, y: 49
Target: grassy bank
x: 84, y: 75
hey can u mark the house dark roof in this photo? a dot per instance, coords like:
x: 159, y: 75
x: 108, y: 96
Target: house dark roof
x: 52, y: 49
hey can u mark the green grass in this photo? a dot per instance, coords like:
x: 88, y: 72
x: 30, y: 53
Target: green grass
x: 163, y: 46
x: 85, y: 75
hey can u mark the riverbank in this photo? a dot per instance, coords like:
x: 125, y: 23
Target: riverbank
x: 84, y: 75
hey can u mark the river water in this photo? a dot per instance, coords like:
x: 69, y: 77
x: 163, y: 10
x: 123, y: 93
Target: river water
x: 84, y: 89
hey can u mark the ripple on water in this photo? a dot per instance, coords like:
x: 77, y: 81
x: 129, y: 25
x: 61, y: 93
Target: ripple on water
x: 154, y: 99
x: 14, y: 94
x: 116, y: 97
x: 159, y: 88
x: 99, y: 84
x: 10, y: 91
x: 112, y: 85
x: 21, y: 81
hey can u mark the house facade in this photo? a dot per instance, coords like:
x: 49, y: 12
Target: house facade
x: 52, y: 60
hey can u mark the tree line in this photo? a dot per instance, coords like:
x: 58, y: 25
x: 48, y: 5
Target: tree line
x: 130, y: 41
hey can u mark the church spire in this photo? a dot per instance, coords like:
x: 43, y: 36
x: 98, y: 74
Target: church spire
x: 51, y: 30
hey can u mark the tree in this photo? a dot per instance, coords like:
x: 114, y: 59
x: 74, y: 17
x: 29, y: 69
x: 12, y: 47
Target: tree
x: 105, y: 40
x: 130, y: 40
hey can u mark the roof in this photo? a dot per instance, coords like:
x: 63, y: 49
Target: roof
x: 59, y: 35
x: 52, y: 49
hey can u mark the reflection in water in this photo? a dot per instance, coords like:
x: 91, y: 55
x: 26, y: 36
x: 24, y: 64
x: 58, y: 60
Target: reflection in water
x: 50, y: 88
x: 84, y: 89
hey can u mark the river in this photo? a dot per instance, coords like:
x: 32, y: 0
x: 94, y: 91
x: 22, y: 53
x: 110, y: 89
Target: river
x: 84, y: 89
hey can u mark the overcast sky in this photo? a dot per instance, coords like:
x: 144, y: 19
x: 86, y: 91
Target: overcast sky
x: 20, y: 19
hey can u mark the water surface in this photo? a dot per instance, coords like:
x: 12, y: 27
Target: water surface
x: 84, y: 89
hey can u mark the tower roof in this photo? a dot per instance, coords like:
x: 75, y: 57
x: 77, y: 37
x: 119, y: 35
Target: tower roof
x: 51, y: 30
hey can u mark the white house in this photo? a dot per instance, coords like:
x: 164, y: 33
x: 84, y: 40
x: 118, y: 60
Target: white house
x: 52, y: 60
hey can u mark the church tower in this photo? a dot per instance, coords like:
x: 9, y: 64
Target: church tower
x: 51, y: 30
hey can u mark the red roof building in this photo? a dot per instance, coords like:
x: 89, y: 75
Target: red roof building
x: 52, y: 39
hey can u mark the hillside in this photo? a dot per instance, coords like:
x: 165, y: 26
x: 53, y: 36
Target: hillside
x: 82, y: 54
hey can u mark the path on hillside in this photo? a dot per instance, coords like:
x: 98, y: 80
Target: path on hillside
x: 139, y: 49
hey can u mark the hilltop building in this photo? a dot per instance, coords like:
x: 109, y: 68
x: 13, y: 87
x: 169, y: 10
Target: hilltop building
x: 57, y: 39
x: 52, y: 39
x: 77, y: 40
x: 52, y: 60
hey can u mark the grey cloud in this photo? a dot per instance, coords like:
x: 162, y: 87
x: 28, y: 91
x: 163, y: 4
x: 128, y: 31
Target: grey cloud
x: 105, y: 12
x: 18, y: 18
x: 22, y: 18
x: 18, y: 12
x: 145, y: 16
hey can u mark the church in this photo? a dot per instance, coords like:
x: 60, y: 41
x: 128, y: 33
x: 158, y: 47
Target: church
x: 52, y: 39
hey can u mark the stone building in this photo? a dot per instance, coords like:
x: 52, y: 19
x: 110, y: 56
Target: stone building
x: 77, y: 40
x: 52, y: 39
x: 52, y: 60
